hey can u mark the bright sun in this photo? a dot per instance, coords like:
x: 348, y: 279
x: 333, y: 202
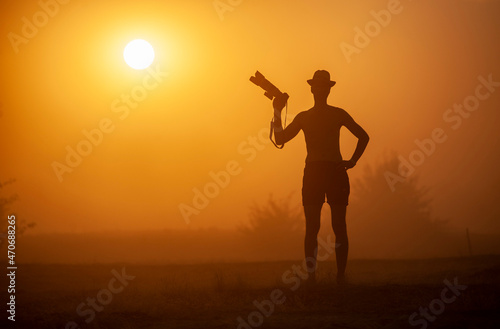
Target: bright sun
x: 139, y: 54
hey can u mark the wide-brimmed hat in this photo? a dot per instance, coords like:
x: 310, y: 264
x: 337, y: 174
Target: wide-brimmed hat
x: 321, y: 77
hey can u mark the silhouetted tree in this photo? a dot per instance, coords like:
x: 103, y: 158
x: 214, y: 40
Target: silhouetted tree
x: 275, y: 230
x: 392, y: 223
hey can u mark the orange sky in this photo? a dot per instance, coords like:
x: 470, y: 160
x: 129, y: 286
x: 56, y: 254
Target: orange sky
x: 68, y: 75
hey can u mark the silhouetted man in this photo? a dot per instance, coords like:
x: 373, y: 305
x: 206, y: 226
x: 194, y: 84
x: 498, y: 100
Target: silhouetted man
x: 325, y: 172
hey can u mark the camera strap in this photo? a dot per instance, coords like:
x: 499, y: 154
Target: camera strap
x: 271, y: 130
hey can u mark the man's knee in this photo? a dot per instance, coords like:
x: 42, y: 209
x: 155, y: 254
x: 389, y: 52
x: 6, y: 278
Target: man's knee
x: 341, y: 238
x: 338, y: 222
x: 312, y: 232
x: 312, y: 211
x: 340, y: 231
x: 313, y: 219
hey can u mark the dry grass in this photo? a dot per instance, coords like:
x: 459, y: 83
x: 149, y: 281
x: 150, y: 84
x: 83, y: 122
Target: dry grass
x: 381, y: 294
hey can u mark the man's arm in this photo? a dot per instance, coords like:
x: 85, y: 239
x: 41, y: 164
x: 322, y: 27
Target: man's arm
x: 283, y: 135
x: 363, y: 139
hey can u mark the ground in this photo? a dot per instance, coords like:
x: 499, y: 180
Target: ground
x: 380, y: 294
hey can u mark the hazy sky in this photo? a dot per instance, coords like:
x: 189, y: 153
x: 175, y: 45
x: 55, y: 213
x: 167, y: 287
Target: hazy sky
x: 156, y: 135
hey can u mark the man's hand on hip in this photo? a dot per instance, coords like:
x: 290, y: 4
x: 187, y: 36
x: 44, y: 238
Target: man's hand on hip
x: 347, y: 164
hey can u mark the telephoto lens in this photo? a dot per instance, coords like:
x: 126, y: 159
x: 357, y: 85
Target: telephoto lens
x: 271, y: 90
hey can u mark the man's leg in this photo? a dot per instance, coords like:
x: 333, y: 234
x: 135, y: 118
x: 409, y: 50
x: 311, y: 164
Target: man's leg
x: 341, y: 241
x: 313, y: 217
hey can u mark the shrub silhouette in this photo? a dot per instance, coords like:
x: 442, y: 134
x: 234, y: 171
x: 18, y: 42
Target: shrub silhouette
x: 393, y: 224
x: 275, y: 230
x: 21, y: 225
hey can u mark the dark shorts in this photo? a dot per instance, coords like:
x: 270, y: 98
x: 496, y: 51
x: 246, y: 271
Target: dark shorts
x: 324, y: 179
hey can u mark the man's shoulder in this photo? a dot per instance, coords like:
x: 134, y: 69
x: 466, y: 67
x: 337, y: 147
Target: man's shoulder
x: 302, y: 115
x: 336, y: 108
x: 343, y: 113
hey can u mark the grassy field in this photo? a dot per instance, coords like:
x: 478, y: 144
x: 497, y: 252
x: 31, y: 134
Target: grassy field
x: 380, y: 294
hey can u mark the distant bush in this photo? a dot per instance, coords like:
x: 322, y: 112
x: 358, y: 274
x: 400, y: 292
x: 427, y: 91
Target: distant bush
x: 390, y: 224
x: 275, y: 230
x: 21, y: 225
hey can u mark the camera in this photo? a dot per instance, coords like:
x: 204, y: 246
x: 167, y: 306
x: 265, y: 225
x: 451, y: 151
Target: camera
x: 271, y: 90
